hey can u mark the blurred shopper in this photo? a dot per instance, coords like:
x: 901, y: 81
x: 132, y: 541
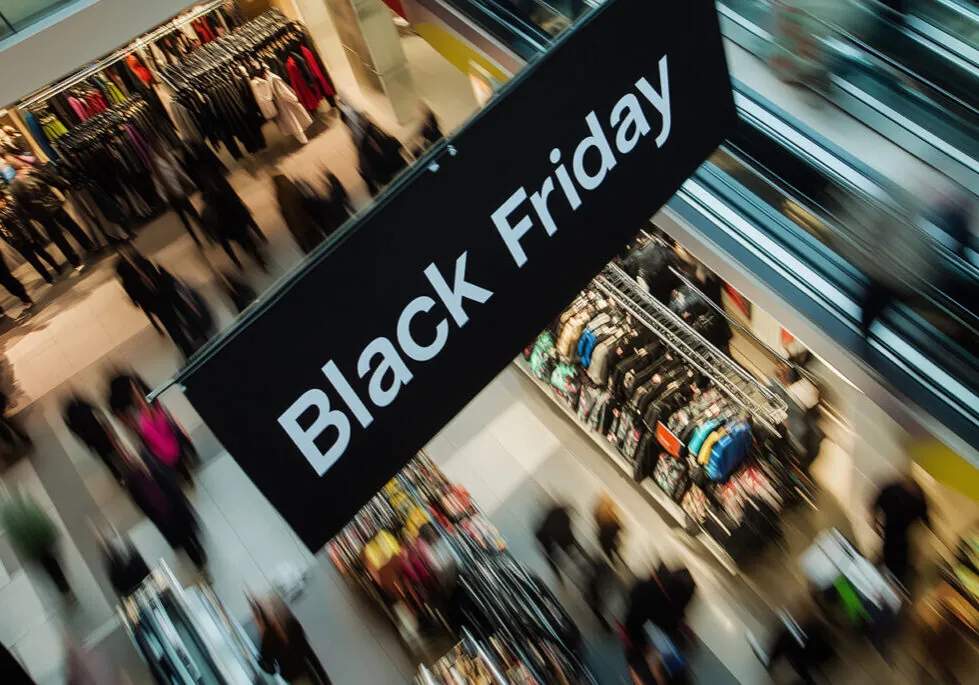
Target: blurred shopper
x: 608, y: 526
x: 899, y: 259
x: 555, y: 535
x: 34, y: 536
x: 124, y: 388
x: 898, y: 507
x: 18, y: 232
x: 155, y: 491
x: 176, y: 185
x: 229, y: 221
x: 153, y: 290
x: 285, y: 649
x: 660, y: 599
x: 238, y: 291
x: 15, y: 288
x: 428, y: 134
x: 14, y: 440
x: 798, y: 51
x: 801, y: 399
x: 298, y: 220
x: 953, y: 215
x: 32, y: 188
x: 164, y: 438
x: 92, y: 427
x: 124, y: 564
x: 804, y: 643
x: 380, y: 156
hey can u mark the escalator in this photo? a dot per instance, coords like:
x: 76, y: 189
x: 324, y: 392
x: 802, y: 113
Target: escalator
x: 900, y: 82
x: 784, y: 207
x: 779, y: 206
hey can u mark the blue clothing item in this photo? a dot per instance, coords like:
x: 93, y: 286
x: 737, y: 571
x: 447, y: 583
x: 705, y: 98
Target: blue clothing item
x: 39, y: 136
x: 585, y: 346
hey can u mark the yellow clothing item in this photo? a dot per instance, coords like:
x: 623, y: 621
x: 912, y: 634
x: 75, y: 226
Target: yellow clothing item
x: 381, y: 550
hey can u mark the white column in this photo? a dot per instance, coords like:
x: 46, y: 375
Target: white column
x: 373, y: 47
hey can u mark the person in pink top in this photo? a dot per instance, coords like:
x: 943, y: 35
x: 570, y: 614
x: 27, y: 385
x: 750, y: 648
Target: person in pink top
x: 163, y: 437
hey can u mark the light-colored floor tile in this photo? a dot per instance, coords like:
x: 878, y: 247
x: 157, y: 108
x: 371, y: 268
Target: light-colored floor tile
x: 41, y: 649
x: 524, y: 436
x: 20, y: 609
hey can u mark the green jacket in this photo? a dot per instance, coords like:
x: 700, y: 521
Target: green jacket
x: 31, y: 532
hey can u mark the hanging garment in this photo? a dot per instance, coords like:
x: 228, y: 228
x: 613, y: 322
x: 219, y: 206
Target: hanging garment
x: 306, y: 92
x: 139, y: 69
x: 326, y: 87
x: 262, y: 90
x: 78, y: 108
x: 293, y: 119
x: 39, y: 137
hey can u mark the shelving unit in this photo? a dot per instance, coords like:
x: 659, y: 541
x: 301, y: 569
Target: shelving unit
x: 647, y: 487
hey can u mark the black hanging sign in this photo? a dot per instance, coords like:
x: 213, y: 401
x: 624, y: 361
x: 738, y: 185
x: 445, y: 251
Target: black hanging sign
x: 386, y: 334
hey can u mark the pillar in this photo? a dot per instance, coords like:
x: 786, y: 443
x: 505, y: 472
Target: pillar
x: 373, y: 48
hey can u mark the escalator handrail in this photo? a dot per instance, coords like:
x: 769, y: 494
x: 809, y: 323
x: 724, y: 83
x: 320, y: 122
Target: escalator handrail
x: 859, y: 44
x: 860, y: 188
x: 890, y: 62
x: 498, y: 13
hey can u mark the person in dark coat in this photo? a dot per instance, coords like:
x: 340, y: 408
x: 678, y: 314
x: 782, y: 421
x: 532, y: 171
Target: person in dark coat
x: 228, y: 220
x: 91, y: 427
x: 554, y: 534
x: 32, y: 188
x: 121, y: 398
x: 380, y: 157
x: 284, y: 646
x: 301, y: 225
x: 661, y: 599
x: 152, y: 289
x: 125, y: 566
x: 11, y: 432
x: 154, y: 490
x: 898, y: 507
x: 18, y: 232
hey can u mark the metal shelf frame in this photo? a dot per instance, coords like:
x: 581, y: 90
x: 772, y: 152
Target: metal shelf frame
x: 765, y: 407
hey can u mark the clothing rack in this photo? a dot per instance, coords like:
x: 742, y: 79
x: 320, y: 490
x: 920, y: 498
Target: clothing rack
x: 765, y: 407
x: 241, y: 43
x: 121, y: 54
x: 186, y: 636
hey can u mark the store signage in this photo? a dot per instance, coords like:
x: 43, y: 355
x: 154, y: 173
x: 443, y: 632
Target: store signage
x: 388, y: 333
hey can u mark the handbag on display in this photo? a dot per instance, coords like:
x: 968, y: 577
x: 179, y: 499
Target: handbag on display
x: 671, y: 476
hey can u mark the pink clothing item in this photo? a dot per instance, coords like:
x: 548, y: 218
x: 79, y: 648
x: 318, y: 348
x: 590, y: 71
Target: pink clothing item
x: 160, y: 436
x: 79, y: 109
